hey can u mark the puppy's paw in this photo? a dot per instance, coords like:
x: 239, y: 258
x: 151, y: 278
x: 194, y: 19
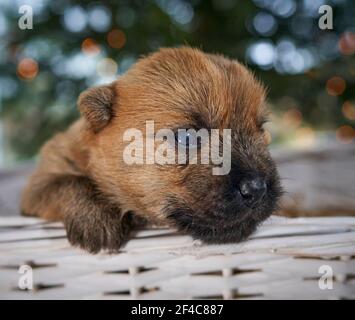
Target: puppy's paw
x: 102, y: 231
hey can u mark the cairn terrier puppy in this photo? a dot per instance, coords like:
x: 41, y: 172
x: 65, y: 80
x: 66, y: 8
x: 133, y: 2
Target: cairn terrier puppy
x: 83, y: 179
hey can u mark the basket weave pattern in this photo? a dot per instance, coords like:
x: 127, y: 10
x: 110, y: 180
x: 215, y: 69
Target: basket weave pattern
x: 280, y: 261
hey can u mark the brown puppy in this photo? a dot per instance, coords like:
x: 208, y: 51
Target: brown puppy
x: 83, y: 180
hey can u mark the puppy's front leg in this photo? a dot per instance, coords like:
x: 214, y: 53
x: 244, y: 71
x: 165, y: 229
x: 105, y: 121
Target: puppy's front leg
x: 91, y: 220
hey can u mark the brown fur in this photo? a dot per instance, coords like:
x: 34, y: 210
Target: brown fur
x: 82, y: 179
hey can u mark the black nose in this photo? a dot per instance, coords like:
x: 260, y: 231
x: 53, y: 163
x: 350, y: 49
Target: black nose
x: 252, y: 189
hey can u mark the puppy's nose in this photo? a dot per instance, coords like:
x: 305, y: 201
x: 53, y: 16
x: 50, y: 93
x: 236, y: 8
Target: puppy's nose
x: 252, y: 189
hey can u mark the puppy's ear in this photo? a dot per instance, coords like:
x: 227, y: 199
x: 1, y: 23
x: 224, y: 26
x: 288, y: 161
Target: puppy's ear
x: 96, y: 106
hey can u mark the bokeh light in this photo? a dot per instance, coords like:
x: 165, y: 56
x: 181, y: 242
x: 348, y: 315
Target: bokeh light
x: 75, y: 19
x: 107, y: 68
x: 336, y: 86
x: 116, y: 39
x: 347, y: 43
x: 90, y: 47
x: 305, y: 137
x: 76, y: 66
x: 285, y: 57
x: 292, y: 118
x: 27, y: 69
x: 283, y: 8
x: 311, y: 7
x: 348, y: 110
x: 262, y: 53
x: 345, y: 134
x: 99, y: 18
x: 180, y: 11
x: 265, y: 24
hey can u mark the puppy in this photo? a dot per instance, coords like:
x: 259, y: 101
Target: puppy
x: 83, y: 180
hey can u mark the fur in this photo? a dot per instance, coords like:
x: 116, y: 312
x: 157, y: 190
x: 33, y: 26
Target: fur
x: 81, y: 178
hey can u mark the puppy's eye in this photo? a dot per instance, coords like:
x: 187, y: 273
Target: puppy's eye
x: 187, y: 139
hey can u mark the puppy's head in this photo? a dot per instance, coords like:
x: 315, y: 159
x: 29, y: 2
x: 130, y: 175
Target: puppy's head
x: 181, y: 89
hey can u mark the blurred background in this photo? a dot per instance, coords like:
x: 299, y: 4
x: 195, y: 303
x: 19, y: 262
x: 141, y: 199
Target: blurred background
x: 310, y: 72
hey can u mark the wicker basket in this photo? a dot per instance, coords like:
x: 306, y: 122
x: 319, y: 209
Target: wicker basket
x: 285, y: 259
